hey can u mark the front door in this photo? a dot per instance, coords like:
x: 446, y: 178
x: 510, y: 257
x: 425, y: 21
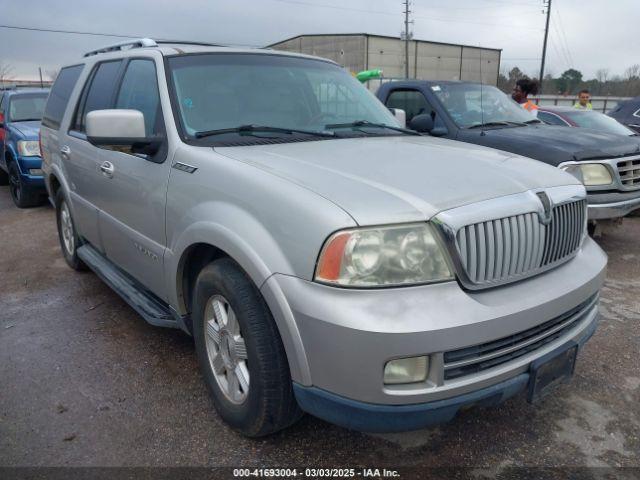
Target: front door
x: 133, y: 196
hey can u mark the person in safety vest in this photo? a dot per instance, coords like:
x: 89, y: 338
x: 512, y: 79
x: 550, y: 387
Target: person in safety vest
x: 525, y: 87
x: 584, y: 101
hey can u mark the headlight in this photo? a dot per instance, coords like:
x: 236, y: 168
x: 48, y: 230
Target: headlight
x: 383, y: 256
x: 590, y: 174
x: 595, y: 174
x: 28, y: 148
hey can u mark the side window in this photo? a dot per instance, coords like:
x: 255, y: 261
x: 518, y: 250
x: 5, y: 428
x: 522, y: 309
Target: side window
x: 412, y: 102
x: 1, y: 102
x: 139, y: 91
x: 551, y: 119
x: 59, y: 96
x: 98, y: 92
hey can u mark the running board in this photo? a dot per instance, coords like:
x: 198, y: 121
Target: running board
x: 149, y: 306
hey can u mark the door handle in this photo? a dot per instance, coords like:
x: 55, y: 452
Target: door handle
x: 107, y: 169
x: 65, y: 151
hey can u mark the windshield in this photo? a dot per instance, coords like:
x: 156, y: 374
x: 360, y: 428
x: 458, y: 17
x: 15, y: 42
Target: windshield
x: 26, y: 107
x: 470, y: 105
x: 597, y: 121
x: 225, y: 91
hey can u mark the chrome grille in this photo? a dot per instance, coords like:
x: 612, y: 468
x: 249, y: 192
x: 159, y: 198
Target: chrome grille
x: 629, y: 172
x: 477, y: 358
x: 505, y: 249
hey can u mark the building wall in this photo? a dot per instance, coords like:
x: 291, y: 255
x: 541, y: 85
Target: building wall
x: 427, y: 61
x: 475, y: 60
x: 388, y: 54
x: 438, y: 62
x: 347, y: 50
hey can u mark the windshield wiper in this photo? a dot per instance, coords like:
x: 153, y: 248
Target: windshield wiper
x: 251, y: 129
x: 365, y: 123
x: 534, y: 120
x: 26, y: 120
x: 504, y: 123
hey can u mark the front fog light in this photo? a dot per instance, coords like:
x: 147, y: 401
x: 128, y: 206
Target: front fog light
x: 406, y: 370
x: 595, y: 174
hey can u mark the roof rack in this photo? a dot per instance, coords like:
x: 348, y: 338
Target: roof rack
x: 147, y: 42
x: 137, y: 43
x: 186, y: 42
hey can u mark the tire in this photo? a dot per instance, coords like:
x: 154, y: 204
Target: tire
x: 268, y: 403
x: 21, y: 194
x: 67, y: 234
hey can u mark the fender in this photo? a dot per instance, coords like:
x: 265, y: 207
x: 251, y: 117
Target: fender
x: 230, y: 238
x: 233, y: 243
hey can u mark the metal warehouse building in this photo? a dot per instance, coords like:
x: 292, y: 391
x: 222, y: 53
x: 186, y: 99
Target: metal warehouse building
x: 427, y: 60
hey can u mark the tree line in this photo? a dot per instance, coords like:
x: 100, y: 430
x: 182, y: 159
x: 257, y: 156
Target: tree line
x: 571, y: 81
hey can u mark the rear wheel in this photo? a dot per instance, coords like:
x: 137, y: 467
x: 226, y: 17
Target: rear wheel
x: 22, y: 195
x: 240, y: 352
x: 69, y: 240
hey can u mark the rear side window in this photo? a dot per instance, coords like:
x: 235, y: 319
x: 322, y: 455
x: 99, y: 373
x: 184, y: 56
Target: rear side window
x: 139, y: 91
x: 412, y: 102
x: 59, y: 96
x: 98, y: 92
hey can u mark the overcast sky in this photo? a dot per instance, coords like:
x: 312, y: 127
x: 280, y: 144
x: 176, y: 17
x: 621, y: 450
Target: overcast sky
x: 584, y: 34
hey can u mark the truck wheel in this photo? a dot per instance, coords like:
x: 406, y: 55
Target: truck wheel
x: 69, y: 240
x: 22, y: 196
x: 240, y: 352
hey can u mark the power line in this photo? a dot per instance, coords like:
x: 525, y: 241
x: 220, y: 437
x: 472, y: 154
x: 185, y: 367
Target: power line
x: 564, y: 36
x: 77, y: 32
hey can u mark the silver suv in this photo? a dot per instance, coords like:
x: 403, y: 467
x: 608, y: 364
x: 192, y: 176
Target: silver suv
x: 324, y: 258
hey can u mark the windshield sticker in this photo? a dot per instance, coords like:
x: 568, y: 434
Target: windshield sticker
x: 435, y: 88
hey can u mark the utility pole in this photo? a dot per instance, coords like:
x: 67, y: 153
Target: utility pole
x: 407, y: 36
x: 544, y: 44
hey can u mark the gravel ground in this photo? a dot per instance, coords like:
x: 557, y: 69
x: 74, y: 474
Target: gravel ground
x: 84, y: 381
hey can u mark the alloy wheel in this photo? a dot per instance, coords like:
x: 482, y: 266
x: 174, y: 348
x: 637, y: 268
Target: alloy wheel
x: 226, y: 349
x: 66, y: 228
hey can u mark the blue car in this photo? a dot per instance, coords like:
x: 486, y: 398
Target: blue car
x: 20, y: 162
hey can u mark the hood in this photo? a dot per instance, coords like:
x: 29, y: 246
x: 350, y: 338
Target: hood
x: 29, y: 130
x: 397, y: 179
x: 554, y: 144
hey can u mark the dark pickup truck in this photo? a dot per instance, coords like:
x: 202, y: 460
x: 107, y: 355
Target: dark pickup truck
x: 608, y: 165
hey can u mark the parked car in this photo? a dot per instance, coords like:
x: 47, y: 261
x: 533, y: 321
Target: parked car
x: 20, y: 162
x: 573, y: 117
x: 609, y: 165
x: 323, y: 258
x: 628, y: 113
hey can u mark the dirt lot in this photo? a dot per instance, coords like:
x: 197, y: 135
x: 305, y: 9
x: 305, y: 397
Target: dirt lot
x: 84, y: 381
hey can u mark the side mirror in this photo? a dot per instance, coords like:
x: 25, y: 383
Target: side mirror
x: 422, y: 123
x: 120, y: 130
x: 400, y: 115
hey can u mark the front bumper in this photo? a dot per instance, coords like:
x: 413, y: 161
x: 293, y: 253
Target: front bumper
x: 32, y: 181
x: 604, y: 206
x: 338, y: 340
x: 369, y: 417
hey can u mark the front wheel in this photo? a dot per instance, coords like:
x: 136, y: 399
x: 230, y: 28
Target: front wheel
x: 240, y: 352
x: 21, y: 194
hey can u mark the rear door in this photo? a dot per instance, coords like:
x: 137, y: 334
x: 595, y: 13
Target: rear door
x: 81, y: 159
x: 132, y: 200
